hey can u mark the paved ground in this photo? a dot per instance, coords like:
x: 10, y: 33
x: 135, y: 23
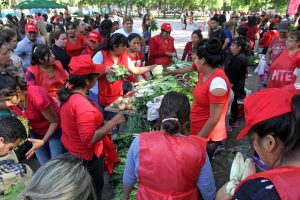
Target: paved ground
x: 222, y: 163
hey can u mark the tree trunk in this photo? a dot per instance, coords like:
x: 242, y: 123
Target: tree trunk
x: 165, y: 4
x: 80, y: 8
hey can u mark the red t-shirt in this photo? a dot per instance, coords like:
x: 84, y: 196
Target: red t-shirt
x: 250, y: 34
x: 38, y: 100
x: 137, y: 61
x: 200, y: 110
x: 74, y: 49
x: 79, y: 121
x: 267, y: 38
x: 282, y: 69
x: 158, y: 48
x: 277, y: 47
x: 41, y: 78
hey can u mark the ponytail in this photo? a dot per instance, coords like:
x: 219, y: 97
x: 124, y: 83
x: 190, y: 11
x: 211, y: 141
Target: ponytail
x: 173, y: 113
x: 74, y: 82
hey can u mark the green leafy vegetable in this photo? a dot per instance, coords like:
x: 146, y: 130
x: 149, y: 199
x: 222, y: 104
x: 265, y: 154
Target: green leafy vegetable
x: 13, y: 191
x: 119, y: 73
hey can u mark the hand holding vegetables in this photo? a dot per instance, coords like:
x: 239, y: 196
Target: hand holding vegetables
x: 118, y: 119
x: 119, y: 73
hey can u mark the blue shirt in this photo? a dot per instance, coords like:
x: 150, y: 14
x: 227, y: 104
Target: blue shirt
x: 205, y: 183
x: 24, y: 49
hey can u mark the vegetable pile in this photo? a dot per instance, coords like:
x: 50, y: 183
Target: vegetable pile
x: 124, y: 103
x: 158, y: 70
x: 178, y: 64
x: 119, y: 73
x: 135, y: 125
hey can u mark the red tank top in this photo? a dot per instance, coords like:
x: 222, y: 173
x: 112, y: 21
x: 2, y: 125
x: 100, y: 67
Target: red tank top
x: 285, y: 179
x: 172, y: 174
x: 137, y: 61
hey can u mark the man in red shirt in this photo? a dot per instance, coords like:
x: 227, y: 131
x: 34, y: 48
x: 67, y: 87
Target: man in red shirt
x: 162, y: 48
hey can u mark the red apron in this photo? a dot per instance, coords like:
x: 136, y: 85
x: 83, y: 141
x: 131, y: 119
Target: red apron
x: 285, y: 179
x: 172, y: 174
x: 51, y: 84
x: 281, y: 71
x: 109, y: 92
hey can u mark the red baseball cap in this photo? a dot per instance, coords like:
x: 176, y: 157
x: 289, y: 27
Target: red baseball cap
x: 166, y: 27
x: 264, y: 105
x: 83, y: 65
x: 94, y: 36
x: 30, y: 27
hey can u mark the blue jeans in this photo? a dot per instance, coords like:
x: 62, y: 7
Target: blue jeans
x: 50, y: 149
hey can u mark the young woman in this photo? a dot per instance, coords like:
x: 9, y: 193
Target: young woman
x: 38, y: 107
x: 211, y: 94
x: 81, y: 30
x: 45, y: 71
x: 9, y: 39
x: 236, y: 71
x: 182, y: 171
x: 112, y: 53
x: 272, y: 122
x: 188, y: 49
x: 75, y: 43
x: 286, y: 68
x: 59, y: 49
x: 135, y: 55
x: 83, y: 130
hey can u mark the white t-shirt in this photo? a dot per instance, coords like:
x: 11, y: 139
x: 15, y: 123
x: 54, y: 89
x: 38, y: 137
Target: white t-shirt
x: 134, y: 30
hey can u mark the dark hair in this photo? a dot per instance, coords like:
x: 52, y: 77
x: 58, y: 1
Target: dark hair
x: 9, y: 17
x: 106, y: 16
x: 115, y: 23
x: 215, y: 19
x: 71, y: 24
x: 49, y: 28
x: 39, y: 14
x: 105, y: 27
x: 198, y: 33
x: 57, y: 34
x: 8, y: 25
x: 286, y: 127
x: 11, y: 129
x: 113, y: 41
x: 245, y: 48
x: 61, y: 27
x: 9, y: 83
x: 174, y: 105
x: 45, y: 16
x: 39, y: 52
x: 131, y: 36
x: 273, y: 26
x: 295, y: 35
x: 127, y: 19
x: 7, y: 35
x: 211, y: 51
x: 76, y: 82
x: 252, y: 21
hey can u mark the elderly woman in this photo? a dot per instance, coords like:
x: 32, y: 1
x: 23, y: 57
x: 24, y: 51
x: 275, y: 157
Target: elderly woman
x: 182, y: 171
x: 273, y: 127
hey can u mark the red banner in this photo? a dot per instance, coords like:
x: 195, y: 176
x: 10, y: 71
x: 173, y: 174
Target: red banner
x: 293, y: 6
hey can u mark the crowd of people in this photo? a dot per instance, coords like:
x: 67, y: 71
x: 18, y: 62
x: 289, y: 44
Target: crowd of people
x: 53, y: 77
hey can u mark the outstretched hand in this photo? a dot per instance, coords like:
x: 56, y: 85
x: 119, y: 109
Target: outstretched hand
x: 36, y: 144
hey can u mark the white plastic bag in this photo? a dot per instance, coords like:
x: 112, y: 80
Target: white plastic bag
x: 153, y: 106
x: 260, y: 69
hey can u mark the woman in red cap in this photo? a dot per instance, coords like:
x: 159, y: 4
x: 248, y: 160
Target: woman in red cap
x: 38, y: 107
x: 75, y: 43
x: 83, y: 131
x: 93, y: 43
x: 113, y: 53
x: 162, y: 48
x: 285, y: 69
x: 182, y: 171
x: 45, y: 71
x: 274, y: 129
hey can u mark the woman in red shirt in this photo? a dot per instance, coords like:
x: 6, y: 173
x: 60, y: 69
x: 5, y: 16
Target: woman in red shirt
x: 112, y: 53
x: 135, y: 55
x: 285, y: 69
x: 75, y: 43
x: 45, y: 71
x: 211, y: 95
x: 188, y: 49
x: 81, y: 121
x: 38, y: 107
